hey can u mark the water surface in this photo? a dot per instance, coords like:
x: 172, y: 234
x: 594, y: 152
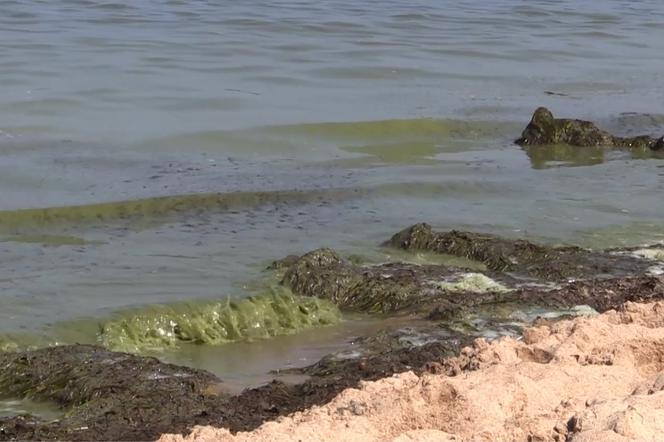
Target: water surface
x: 162, y: 151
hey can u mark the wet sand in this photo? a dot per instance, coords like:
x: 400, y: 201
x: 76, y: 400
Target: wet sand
x: 585, y: 379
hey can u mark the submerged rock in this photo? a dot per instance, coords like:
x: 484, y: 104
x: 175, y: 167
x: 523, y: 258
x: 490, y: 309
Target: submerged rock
x: 519, y: 256
x: 544, y: 129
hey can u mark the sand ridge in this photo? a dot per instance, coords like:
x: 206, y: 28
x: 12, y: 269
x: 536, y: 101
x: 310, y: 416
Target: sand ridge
x: 585, y: 379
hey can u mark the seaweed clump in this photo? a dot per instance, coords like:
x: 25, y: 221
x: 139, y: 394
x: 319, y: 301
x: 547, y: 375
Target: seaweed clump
x: 117, y: 396
x: 384, y: 288
x: 106, y: 395
x: 600, y: 294
x: 550, y: 263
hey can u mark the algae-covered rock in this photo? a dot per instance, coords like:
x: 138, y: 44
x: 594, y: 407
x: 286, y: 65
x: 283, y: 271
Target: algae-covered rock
x: 544, y: 129
x: 600, y: 294
x: 160, y: 327
x: 520, y: 273
x: 383, y: 288
x: 283, y: 263
x: 517, y: 255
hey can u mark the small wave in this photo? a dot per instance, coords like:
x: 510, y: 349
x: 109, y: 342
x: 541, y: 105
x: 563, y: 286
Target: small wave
x: 25, y: 219
x: 160, y: 327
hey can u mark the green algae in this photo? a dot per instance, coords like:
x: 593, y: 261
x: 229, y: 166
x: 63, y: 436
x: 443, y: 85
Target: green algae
x: 391, y: 130
x: 52, y: 240
x: 8, y: 345
x: 161, y: 327
x: 393, y: 153
x: 18, y: 220
x: 316, y: 140
x: 166, y: 327
x: 13, y: 342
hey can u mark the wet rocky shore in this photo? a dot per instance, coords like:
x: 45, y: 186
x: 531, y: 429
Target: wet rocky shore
x: 107, y: 395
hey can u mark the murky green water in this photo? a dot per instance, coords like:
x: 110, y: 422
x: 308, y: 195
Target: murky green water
x: 160, y: 152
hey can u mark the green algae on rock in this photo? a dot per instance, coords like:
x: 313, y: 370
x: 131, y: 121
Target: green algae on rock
x: 447, y: 293
x: 519, y: 256
x: 544, y: 129
x: 160, y: 327
x: 383, y: 288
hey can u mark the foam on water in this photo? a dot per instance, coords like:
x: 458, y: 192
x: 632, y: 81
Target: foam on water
x: 474, y: 283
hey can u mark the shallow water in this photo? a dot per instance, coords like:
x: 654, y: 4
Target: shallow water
x: 182, y: 146
x: 44, y: 410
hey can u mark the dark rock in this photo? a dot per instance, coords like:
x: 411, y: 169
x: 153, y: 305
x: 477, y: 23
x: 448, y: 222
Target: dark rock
x: 384, y: 288
x: 519, y: 256
x: 600, y: 294
x: 544, y: 129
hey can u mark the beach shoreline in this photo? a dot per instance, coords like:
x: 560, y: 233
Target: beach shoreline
x: 584, y: 379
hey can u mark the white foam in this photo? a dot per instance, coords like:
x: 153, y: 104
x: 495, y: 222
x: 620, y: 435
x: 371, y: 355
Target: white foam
x: 654, y: 254
x: 473, y: 282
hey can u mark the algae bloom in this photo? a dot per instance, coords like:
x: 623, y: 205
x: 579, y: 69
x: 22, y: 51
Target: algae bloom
x: 160, y: 327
